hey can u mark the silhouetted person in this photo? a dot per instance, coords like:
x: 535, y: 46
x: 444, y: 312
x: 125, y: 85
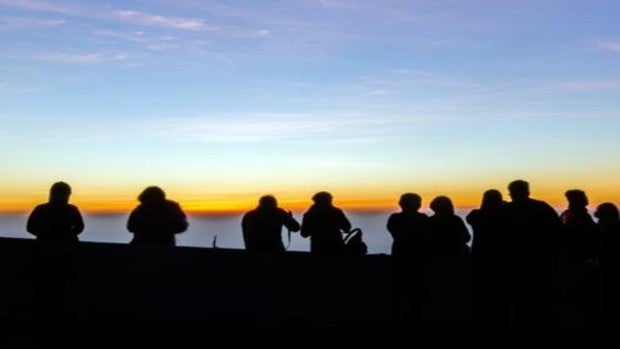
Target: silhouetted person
x: 56, y: 221
x: 609, y: 262
x: 156, y: 220
x: 448, y: 233
x: 410, y: 231
x: 409, y: 228
x: 486, y: 223
x: 262, y: 227
x: 608, y: 248
x: 489, y: 262
x: 580, y: 231
x: 325, y: 224
x: 534, y: 229
x: 56, y: 224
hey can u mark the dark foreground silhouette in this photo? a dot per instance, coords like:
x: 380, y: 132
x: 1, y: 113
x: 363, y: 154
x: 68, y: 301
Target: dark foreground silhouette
x: 57, y: 221
x: 156, y: 220
x: 262, y: 227
x: 152, y: 295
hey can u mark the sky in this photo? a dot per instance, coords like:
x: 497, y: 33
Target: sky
x: 220, y: 102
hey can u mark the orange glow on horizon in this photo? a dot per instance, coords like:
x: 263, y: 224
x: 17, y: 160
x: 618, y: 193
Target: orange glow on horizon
x: 356, y: 198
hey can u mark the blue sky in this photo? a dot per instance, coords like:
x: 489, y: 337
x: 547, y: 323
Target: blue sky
x: 221, y: 99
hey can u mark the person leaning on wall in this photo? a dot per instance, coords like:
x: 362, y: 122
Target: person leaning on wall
x: 156, y: 220
x: 57, y: 221
x: 262, y: 227
x: 324, y: 224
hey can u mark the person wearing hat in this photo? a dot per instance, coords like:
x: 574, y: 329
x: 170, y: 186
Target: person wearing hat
x: 324, y: 224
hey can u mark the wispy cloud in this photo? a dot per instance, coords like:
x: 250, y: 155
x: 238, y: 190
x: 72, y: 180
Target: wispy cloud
x: 609, y: 45
x: 27, y: 23
x: 110, y: 13
x: 6, y: 88
x: 142, y: 18
x: 337, y: 128
x: 45, y: 6
x: 77, y: 58
x: 593, y: 85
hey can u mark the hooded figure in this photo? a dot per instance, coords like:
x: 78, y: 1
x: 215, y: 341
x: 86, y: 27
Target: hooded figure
x: 156, y: 220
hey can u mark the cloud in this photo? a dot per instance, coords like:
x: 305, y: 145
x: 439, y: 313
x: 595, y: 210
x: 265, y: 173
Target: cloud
x: 594, y: 85
x: 44, y: 6
x: 324, y: 128
x: 77, y: 58
x: 613, y: 46
x: 110, y: 13
x: 26, y: 23
x: 141, y: 18
x: 5, y: 88
x: 337, y: 128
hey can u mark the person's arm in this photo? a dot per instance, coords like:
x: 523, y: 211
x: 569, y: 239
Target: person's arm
x: 133, y: 224
x: 344, y: 225
x: 181, y: 223
x: 392, y: 226
x: 289, y: 221
x: 465, y: 235
x: 34, y: 222
x: 246, y: 230
x: 77, y: 224
x: 306, y: 225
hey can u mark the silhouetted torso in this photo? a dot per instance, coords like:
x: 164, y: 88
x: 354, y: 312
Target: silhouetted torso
x: 262, y: 228
x: 489, y: 234
x: 410, y: 232
x: 608, y: 247
x: 580, y: 234
x: 156, y: 223
x: 55, y: 223
x: 534, y: 228
x: 324, y: 225
x: 449, y: 236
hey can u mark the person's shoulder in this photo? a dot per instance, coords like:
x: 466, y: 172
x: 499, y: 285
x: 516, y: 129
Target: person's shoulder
x: 40, y: 207
x: 474, y: 212
x: 455, y: 218
x: 337, y: 209
x: 173, y: 204
x: 38, y: 210
x: 395, y: 215
x: 473, y: 215
x: 542, y: 205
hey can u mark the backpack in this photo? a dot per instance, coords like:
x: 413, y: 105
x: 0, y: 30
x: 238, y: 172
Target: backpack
x: 353, y: 243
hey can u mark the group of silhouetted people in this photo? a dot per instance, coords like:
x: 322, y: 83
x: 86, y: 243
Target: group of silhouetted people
x: 155, y: 221
x: 517, y: 245
x: 519, y: 251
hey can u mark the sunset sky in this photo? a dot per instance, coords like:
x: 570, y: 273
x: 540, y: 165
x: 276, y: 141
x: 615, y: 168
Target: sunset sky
x: 219, y: 102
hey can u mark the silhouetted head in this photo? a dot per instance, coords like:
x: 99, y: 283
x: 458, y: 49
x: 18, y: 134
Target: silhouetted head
x: 576, y: 198
x: 607, y: 212
x: 322, y: 198
x: 519, y: 190
x: 410, y: 202
x: 268, y: 201
x: 152, y: 195
x: 442, y: 206
x: 60, y: 192
x: 491, y: 199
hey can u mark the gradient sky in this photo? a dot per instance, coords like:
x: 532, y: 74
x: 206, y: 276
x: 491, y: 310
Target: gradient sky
x: 219, y: 102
